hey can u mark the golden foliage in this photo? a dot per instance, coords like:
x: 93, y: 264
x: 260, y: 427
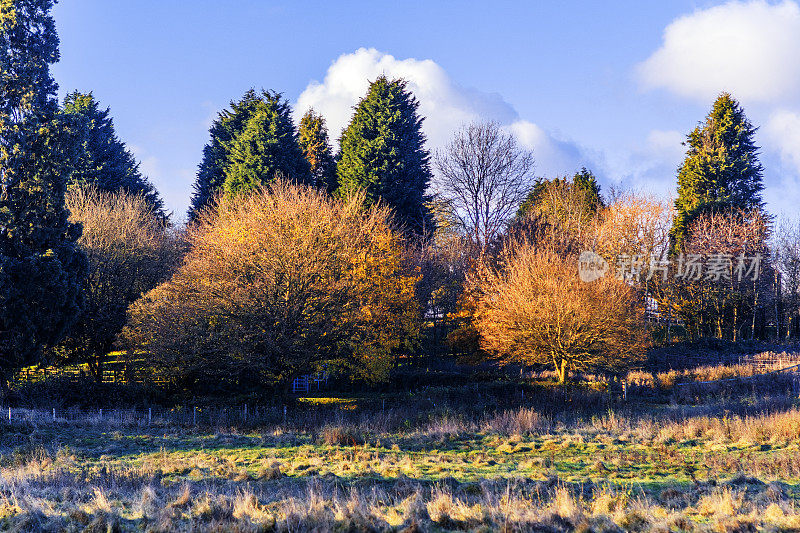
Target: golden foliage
x: 536, y: 310
x: 634, y: 224
x: 280, y: 282
x: 130, y: 249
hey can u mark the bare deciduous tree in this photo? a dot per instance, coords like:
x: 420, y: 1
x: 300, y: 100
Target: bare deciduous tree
x: 786, y: 256
x: 636, y: 225
x: 130, y: 251
x: 484, y: 175
x: 725, y: 305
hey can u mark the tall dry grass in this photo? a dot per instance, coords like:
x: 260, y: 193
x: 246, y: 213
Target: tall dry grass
x: 64, y: 500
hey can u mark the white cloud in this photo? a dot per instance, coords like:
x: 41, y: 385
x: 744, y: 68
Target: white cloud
x: 554, y: 157
x: 649, y: 167
x: 747, y: 48
x: 783, y: 133
x: 445, y: 105
x: 667, y: 145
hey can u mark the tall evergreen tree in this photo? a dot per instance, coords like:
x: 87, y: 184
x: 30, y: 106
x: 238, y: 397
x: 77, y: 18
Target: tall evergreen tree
x: 267, y: 147
x: 41, y: 267
x: 721, y: 170
x: 313, y: 139
x: 383, y: 152
x: 102, y: 160
x: 226, y: 128
x: 211, y: 172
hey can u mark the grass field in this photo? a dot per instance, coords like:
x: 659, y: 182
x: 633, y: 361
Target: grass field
x: 727, y: 461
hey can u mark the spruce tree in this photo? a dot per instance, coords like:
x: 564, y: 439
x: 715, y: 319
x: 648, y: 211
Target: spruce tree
x: 102, y: 159
x: 383, y: 152
x: 229, y: 124
x: 721, y: 170
x: 586, y: 180
x: 313, y: 139
x: 41, y: 267
x: 266, y: 148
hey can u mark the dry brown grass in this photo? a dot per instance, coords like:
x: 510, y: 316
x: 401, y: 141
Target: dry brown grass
x: 431, y: 462
x: 64, y: 501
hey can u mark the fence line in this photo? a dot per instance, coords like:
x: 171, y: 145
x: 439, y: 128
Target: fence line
x: 243, y: 415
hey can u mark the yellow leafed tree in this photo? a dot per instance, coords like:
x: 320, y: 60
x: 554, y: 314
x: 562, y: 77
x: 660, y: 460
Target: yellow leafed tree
x: 281, y: 282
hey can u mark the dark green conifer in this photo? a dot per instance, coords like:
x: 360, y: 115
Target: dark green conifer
x: 265, y: 149
x: 383, y: 152
x: 227, y: 127
x: 721, y: 170
x: 102, y: 159
x: 41, y: 267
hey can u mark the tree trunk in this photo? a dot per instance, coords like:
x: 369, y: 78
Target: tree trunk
x: 96, y: 369
x: 561, y: 370
x: 777, y: 306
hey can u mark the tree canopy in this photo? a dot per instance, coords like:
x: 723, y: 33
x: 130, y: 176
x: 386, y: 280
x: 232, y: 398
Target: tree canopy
x: 382, y: 152
x: 583, y: 184
x: 41, y: 267
x: 534, y: 309
x: 267, y: 146
x: 279, y: 281
x: 483, y: 176
x: 313, y: 139
x: 102, y: 160
x: 130, y: 250
x: 721, y: 170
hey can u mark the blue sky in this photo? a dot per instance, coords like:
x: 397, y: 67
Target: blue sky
x: 610, y: 85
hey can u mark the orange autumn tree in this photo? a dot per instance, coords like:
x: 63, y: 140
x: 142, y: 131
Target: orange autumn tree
x: 280, y: 282
x: 533, y: 308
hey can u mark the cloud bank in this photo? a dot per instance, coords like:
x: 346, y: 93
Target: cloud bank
x: 749, y: 49
x: 445, y: 105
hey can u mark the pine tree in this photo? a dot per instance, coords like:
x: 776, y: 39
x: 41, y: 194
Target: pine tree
x: 313, y: 139
x: 102, y: 160
x: 721, y: 170
x: 41, y: 267
x: 267, y: 147
x: 383, y: 152
x: 229, y: 124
